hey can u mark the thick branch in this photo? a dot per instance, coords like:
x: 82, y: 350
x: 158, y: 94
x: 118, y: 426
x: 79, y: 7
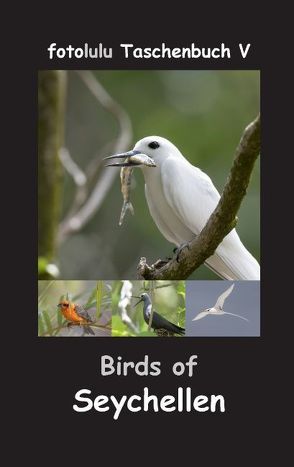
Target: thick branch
x: 222, y: 220
x: 51, y: 102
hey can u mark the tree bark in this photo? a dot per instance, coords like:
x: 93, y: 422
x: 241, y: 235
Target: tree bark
x: 51, y: 103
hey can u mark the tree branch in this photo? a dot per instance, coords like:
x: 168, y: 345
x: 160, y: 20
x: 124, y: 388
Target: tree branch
x: 51, y: 103
x: 222, y: 220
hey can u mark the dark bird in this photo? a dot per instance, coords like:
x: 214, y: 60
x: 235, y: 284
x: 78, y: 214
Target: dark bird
x: 158, y: 321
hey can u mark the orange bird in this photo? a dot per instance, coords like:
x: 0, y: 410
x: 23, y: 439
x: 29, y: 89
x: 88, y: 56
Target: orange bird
x: 76, y: 314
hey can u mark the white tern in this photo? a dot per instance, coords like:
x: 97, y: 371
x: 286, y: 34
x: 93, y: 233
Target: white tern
x: 181, y: 198
x: 217, y: 309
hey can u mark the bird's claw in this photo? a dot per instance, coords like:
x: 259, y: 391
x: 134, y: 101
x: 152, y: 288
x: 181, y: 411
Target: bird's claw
x: 179, y: 250
x: 160, y: 263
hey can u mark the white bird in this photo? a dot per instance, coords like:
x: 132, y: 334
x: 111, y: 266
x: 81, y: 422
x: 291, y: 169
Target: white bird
x: 217, y: 309
x: 181, y: 198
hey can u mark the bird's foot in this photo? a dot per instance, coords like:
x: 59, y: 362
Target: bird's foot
x: 163, y: 333
x: 179, y: 250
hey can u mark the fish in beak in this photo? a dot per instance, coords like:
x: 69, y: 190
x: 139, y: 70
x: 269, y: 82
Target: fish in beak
x: 132, y: 159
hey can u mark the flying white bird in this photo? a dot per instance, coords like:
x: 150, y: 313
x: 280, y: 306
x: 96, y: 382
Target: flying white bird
x: 217, y: 309
x: 181, y: 198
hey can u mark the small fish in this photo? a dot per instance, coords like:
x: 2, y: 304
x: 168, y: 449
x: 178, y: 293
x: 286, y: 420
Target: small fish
x: 126, y: 178
x: 142, y: 159
x: 132, y: 160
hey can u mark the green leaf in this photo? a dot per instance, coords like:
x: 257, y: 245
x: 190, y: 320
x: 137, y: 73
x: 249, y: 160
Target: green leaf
x: 115, y: 333
x: 91, y: 298
x: 47, y: 322
x: 117, y: 324
x: 146, y: 334
x: 90, y: 305
x: 99, y: 293
x: 42, y: 264
x: 42, y: 294
x: 59, y: 317
x: 41, y: 328
x: 181, y: 289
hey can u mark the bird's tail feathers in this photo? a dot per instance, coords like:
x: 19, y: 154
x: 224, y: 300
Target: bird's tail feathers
x: 232, y: 261
x: 89, y: 330
x: 179, y: 330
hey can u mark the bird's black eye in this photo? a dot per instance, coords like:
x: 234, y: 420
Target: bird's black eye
x: 153, y: 145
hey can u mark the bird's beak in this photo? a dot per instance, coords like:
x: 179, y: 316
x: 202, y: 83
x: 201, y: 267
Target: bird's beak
x: 125, y: 155
x: 141, y: 300
x: 59, y: 305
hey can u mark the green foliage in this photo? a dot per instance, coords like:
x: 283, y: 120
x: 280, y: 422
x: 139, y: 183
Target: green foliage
x: 99, y: 294
x: 119, y: 329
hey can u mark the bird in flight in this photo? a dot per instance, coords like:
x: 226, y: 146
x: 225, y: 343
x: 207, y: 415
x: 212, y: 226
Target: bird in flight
x: 217, y: 309
x: 158, y: 321
x: 181, y: 199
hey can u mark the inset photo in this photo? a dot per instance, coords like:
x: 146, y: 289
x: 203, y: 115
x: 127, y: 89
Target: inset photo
x: 148, y: 308
x: 132, y: 164
x: 74, y: 308
x: 222, y: 308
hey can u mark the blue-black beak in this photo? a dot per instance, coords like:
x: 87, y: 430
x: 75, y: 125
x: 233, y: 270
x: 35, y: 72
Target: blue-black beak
x: 141, y: 300
x: 123, y: 155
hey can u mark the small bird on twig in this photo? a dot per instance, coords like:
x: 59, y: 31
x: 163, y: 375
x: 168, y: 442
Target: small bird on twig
x: 76, y: 314
x: 217, y: 309
x: 158, y: 321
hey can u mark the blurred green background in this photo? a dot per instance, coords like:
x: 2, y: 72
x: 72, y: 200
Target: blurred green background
x: 168, y: 299
x: 202, y: 112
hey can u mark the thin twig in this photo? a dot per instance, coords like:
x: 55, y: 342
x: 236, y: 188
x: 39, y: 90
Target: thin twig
x: 222, y: 220
x: 64, y: 326
x: 72, y: 167
x: 152, y: 301
x: 174, y: 283
x: 79, y: 218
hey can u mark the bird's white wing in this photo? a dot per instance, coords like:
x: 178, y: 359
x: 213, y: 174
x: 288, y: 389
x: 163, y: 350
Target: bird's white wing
x: 192, y: 197
x: 189, y: 192
x: 223, y: 296
x: 200, y: 315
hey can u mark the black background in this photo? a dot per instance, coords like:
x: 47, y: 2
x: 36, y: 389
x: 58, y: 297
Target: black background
x: 44, y: 374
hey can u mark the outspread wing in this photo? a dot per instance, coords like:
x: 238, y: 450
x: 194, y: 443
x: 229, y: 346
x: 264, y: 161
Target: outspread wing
x: 223, y: 296
x: 83, y: 313
x: 189, y: 192
x: 200, y: 315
